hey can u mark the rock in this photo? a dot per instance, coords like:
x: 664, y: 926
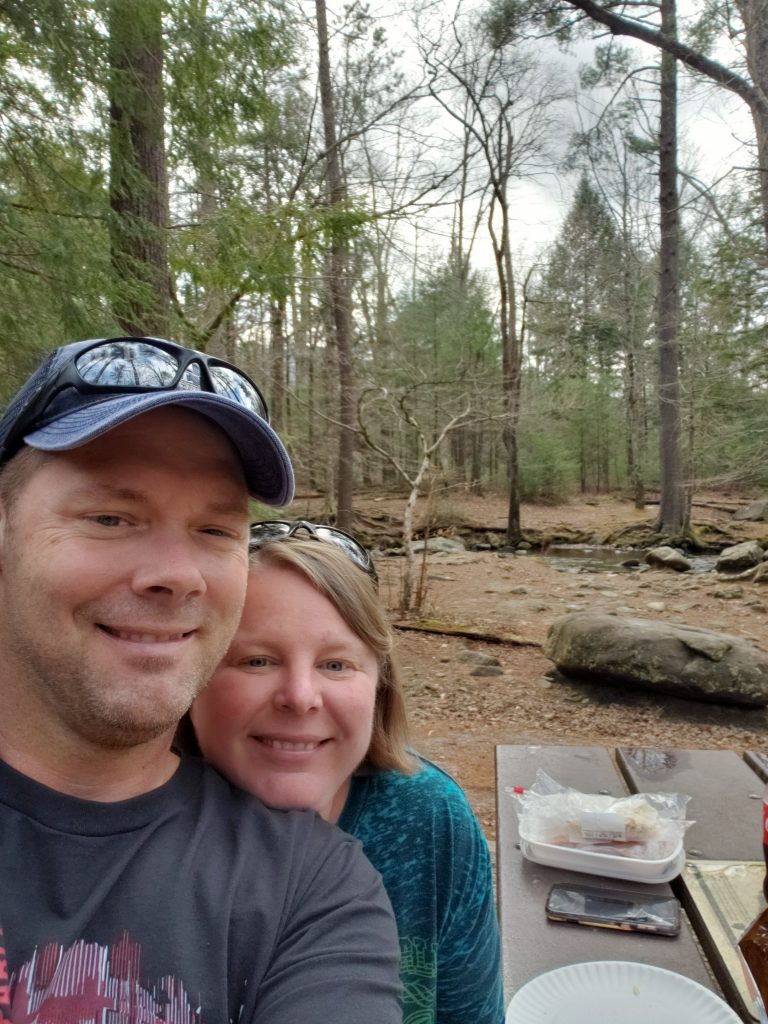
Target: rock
x: 686, y: 661
x: 667, y: 558
x: 755, y: 512
x: 487, y: 670
x: 741, y: 556
x: 476, y: 657
x: 448, y: 544
x: 657, y: 606
x: 518, y: 590
x: 728, y: 593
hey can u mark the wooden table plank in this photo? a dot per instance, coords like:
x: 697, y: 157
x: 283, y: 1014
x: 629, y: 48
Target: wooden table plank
x: 758, y: 762
x: 533, y: 944
x: 725, y: 797
x: 726, y: 807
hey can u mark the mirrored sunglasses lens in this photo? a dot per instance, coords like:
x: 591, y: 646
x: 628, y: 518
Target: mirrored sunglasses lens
x: 350, y: 547
x: 234, y: 386
x: 263, y: 532
x: 127, y: 364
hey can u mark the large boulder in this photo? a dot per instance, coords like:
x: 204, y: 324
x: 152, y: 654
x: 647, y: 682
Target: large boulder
x: 740, y: 556
x: 755, y: 512
x: 659, y: 656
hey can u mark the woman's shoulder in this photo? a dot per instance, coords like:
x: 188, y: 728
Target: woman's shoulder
x: 428, y: 784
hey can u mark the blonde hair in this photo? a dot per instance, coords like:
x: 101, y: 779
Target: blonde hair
x: 353, y: 594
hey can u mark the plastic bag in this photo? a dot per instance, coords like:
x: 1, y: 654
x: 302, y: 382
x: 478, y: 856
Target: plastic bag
x: 647, y: 826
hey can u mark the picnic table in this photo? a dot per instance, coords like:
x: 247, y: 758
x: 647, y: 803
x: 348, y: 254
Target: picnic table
x: 720, y: 888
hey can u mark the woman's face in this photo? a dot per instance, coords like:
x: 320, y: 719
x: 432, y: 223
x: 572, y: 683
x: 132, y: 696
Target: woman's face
x: 288, y: 714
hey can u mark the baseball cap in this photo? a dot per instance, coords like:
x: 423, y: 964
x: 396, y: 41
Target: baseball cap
x: 86, y: 388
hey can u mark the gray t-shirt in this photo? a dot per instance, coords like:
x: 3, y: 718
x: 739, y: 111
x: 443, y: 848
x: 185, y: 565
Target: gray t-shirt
x: 191, y: 904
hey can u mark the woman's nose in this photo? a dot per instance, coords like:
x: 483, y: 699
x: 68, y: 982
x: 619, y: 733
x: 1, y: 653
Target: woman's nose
x: 299, y: 690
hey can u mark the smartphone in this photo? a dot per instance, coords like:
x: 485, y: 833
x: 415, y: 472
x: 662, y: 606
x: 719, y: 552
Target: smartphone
x: 624, y: 909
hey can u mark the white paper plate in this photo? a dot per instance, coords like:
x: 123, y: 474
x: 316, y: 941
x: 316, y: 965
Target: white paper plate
x: 616, y: 991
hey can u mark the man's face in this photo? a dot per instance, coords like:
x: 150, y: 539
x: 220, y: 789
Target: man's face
x: 123, y: 567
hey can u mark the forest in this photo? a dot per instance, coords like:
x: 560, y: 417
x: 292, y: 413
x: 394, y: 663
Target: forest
x: 332, y: 199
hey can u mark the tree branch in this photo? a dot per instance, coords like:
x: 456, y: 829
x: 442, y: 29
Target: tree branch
x: 620, y: 26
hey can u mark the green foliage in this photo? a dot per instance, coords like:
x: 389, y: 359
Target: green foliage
x: 446, y: 330
x: 611, y: 64
x: 576, y: 324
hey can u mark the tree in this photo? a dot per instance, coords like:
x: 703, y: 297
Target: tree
x: 138, y: 186
x: 673, y: 506
x: 339, y: 289
x: 504, y: 103
x: 577, y: 330
x: 745, y: 22
x: 428, y: 444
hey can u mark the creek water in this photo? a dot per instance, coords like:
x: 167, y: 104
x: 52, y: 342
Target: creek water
x: 576, y: 558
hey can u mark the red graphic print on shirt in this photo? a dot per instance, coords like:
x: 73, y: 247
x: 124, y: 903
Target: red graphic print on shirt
x: 89, y: 984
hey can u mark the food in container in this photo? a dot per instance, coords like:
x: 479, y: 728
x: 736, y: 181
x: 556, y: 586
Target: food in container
x: 635, y: 838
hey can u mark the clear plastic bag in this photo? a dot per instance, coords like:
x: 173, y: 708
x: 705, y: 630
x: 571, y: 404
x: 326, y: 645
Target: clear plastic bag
x: 646, y: 826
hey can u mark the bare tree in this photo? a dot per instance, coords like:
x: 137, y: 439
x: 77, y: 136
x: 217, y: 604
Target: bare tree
x: 399, y: 407
x: 504, y: 104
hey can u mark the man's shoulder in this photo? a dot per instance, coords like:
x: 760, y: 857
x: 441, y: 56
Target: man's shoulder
x: 240, y: 820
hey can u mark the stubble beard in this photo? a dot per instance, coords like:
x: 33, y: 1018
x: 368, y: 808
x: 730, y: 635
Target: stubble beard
x: 115, y: 710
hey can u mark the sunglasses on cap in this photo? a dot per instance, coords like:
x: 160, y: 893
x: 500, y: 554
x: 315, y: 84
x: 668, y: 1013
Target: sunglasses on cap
x: 117, y: 366
x: 282, y: 529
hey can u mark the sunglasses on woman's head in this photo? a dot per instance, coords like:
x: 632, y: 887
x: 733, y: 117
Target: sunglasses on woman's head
x: 281, y: 529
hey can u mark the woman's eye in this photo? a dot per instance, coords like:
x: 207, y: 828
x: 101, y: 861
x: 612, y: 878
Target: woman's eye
x: 334, y: 666
x: 258, y: 661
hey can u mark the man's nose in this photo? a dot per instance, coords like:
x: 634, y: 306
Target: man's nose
x: 171, y: 564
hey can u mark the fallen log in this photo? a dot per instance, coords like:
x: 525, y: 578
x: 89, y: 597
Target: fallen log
x: 442, y: 629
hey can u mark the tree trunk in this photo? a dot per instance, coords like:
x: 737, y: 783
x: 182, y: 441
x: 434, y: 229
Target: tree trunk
x: 138, y: 188
x: 672, y: 509
x: 339, y: 288
x: 754, y: 14
x: 510, y: 366
x: 277, y: 360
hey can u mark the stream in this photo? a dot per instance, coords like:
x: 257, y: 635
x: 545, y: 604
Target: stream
x: 577, y: 558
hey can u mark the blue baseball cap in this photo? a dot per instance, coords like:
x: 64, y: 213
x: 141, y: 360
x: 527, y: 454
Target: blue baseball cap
x: 55, y: 411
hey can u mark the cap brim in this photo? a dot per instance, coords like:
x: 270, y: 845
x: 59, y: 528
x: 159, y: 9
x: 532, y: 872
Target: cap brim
x: 266, y: 465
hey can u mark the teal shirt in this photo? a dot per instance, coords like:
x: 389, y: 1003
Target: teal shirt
x: 420, y: 833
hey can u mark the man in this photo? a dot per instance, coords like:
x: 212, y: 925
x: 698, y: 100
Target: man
x: 137, y: 888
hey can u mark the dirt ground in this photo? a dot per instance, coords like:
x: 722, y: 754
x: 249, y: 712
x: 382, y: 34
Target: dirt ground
x: 457, y: 718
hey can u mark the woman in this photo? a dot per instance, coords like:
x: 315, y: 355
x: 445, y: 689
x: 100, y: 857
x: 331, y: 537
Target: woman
x: 306, y: 710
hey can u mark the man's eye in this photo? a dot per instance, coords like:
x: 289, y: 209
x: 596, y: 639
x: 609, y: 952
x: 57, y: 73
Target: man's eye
x: 228, y: 533
x: 108, y: 520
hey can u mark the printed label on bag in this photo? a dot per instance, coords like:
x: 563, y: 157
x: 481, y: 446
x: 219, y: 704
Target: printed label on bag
x: 604, y: 826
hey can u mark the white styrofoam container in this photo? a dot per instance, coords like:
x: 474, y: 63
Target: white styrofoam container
x: 630, y: 869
